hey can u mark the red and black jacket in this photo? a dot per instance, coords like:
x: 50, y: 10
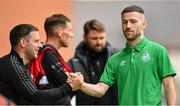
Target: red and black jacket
x: 49, y: 70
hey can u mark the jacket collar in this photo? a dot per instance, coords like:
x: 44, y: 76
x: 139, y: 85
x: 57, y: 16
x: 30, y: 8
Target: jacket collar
x: 14, y: 53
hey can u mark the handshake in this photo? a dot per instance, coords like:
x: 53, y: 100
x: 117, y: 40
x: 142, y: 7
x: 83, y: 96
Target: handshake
x: 75, y: 80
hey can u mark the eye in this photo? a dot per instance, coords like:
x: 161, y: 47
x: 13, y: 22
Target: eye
x: 37, y: 41
x: 94, y: 38
x: 133, y: 21
x: 101, y: 38
x: 124, y: 22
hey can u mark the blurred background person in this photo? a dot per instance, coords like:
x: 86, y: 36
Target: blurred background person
x: 90, y: 58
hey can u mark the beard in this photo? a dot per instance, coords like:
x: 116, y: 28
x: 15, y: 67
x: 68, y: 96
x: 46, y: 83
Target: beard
x: 134, y: 37
x: 95, y: 50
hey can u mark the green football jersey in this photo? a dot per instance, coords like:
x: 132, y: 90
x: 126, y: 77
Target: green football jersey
x: 138, y: 72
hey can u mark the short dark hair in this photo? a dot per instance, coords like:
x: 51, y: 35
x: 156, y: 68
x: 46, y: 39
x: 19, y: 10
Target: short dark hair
x: 93, y: 25
x: 53, y: 21
x: 20, y: 31
x: 133, y: 8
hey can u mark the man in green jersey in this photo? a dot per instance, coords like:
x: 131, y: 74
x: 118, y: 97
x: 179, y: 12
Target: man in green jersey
x: 139, y: 69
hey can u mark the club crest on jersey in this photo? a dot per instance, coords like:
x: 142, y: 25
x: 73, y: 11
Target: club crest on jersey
x: 145, y: 57
x: 122, y: 63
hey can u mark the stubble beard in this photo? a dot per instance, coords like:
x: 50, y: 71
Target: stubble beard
x: 133, y: 37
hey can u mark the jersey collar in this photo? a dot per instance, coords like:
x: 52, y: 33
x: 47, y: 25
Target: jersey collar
x: 138, y: 47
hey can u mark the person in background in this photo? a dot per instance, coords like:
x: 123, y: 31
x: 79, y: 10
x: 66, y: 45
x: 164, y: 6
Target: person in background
x: 16, y: 83
x: 139, y: 69
x: 49, y: 69
x: 90, y: 58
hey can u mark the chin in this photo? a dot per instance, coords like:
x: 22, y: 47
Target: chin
x: 130, y: 38
x: 98, y: 50
x: 35, y: 56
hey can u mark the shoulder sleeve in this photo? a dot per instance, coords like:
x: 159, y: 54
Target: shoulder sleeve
x: 165, y: 67
x: 53, y: 67
x: 108, y: 76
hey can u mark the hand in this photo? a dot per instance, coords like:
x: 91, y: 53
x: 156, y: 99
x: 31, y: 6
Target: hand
x: 75, y: 80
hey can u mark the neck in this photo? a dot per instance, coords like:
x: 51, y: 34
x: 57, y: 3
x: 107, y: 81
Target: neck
x: 136, y: 41
x: 54, y: 42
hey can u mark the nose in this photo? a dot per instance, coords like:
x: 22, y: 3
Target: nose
x: 128, y: 25
x: 99, y: 41
x: 72, y: 35
x: 40, y: 45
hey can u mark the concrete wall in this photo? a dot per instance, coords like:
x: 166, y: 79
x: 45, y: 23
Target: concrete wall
x: 13, y: 12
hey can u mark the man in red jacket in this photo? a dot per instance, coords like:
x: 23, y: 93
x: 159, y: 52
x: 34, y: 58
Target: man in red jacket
x: 49, y: 69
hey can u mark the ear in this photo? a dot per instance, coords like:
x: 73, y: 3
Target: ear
x: 23, y: 42
x: 59, y: 31
x: 145, y: 24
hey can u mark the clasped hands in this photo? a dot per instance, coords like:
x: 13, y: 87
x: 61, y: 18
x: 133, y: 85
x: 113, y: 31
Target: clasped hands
x: 75, y: 80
